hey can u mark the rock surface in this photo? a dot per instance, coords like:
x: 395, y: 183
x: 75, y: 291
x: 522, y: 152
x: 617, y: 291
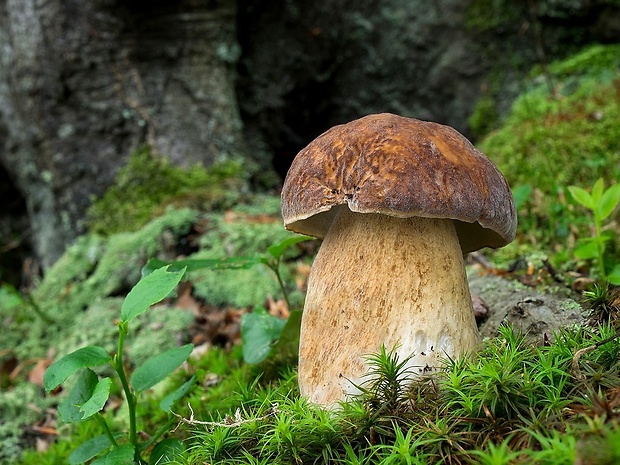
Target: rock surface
x: 537, y: 314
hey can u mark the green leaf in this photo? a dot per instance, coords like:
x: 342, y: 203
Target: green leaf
x: 122, y: 455
x: 69, y: 408
x: 276, y: 250
x: 609, y: 201
x: 166, y: 451
x: 614, y: 276
x: 521, y: 194
x: 167, y: 402
x: 582, y: 197
x: 229, y: 263
x: 289, y: 338
x: 588, y: 249
x: 59, y: 371
x: 156, y: 369
x: 151, y: 289
x: 91, y: 448
x: 597, y: 190
x: 259, y: 330
x: 97, y: 401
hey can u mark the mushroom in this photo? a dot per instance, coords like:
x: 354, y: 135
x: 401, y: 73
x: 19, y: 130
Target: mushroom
x: 397, y: 202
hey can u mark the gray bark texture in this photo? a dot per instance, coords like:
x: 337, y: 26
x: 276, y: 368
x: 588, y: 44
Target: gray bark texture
x: 82, y: 83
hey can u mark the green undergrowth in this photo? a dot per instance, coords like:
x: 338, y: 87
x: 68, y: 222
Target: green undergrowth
x: 565, y: 135
x: 83, y: 285
x: 563, y: 130
x: 149, y: 183
x: 254, y: 229
x: 77, y: 301
x: 76, y: 304
x: 512, y: 403
x: 89, y: 278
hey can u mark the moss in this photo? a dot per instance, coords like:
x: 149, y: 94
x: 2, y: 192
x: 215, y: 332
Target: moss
x: 19, y: 407
x: 91, y: 271
x: 570, y: 306
x: 148, y: 183
x: 157, y: 330
x: 100, y: 267
x: 484, y: 116
x: 247, y: 235
x: 572, y: 137
x: 563, y: 130
x: 596, y: 60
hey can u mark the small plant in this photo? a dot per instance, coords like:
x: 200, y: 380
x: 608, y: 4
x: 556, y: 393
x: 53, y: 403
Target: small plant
x: 91, y: 391
x: 604, y: 303
x: 511, y: 403
x: 384, y: 384
x: 602, y: 203
x: 496, y: 455
x: 260, y: 331
x: 149, y: 182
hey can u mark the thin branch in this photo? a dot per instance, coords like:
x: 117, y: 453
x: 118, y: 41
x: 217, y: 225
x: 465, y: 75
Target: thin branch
x: 585, y: 350
x: 228, y: 422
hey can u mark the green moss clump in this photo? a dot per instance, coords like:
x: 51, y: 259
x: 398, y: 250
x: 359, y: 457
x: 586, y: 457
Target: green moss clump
x: 92, y: 270
x: 148, y: 183
x: 572, y: 137
x: 484, y: 117
x: 229, y: 238
x: 564, y: 130
x: 159, y: 328
x: 18, y: 409
x: 596, y: 61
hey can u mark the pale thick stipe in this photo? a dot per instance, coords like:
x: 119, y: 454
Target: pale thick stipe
x: 382, y: 280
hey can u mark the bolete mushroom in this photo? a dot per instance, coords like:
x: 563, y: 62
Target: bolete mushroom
x: 397, y: 202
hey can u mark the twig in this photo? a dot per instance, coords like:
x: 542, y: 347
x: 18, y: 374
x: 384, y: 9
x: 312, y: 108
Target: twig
x: 228, y: 422
x: 553, y: 272
x: 585, y: 350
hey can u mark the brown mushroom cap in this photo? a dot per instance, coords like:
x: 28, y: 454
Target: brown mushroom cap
x: 400, y: 167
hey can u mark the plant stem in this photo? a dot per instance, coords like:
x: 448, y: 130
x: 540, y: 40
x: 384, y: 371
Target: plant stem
x: 600, y: 247
x: 106, y: 428
x: 159, y: 433
x: 276, y: 269
x: 129, y: 395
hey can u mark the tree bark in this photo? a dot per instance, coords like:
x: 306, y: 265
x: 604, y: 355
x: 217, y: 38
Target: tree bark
x: 82, y: 84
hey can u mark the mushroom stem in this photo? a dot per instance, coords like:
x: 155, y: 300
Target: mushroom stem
x: 377, y: 280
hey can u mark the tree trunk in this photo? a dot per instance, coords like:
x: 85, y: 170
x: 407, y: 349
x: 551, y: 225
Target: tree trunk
x: 82, y: 84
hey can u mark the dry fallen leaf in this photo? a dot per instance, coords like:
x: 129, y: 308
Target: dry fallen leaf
x: 277, y: 307
x: 187, y: 301
x: 35, y: 376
